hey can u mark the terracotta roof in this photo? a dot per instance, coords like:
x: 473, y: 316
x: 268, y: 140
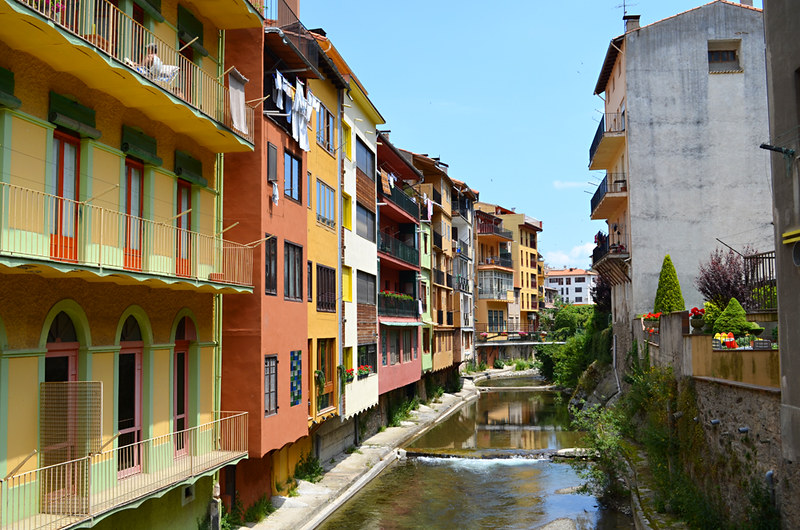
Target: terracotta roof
x: 569, y: 272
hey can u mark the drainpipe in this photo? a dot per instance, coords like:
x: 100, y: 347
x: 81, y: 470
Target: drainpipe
x: 218, y: 297
x: 339, y: 237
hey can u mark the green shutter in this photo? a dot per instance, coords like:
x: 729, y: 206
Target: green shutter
x: 139, y: 145
x: 152, y: 8
x: 189, y: 168
x: 189, y: 28
x: 7, y: 98
x: 72, y: 115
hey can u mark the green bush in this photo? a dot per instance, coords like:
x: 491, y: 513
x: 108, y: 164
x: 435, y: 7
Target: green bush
x: 259, y: 510
x: 499, y: 364
x: 668, y: 294
x: 308, y: 469
x: 712, y: 314
x: 733, y: 319
x: 402, y: 411
x: 522, y: 364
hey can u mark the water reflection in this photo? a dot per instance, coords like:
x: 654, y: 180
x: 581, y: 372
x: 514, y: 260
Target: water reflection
x: 525, y: 421
x: 527, y: 380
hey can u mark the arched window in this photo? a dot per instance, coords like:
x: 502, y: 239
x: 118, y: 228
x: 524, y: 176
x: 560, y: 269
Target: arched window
x: 61, y: 362
x: 129, y: 398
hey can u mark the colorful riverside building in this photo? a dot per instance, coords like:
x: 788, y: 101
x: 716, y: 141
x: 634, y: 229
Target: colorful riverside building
x: 358, y: 254
x: 399, y: 306
x: 436, y: 188
x: 268, y: 371
x: 111, y: 261
x: 463, y: 204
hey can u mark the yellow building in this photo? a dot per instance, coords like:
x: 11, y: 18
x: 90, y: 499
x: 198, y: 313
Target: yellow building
x: 113, y: 121
x: 496, y: 310
x: 323, y: 188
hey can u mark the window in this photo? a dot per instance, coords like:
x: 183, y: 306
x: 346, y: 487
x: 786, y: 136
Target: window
x: 272, y: 163
x: 578, y: 289
x: 423, y: 293
x: 395, y: 345
x: 580, y: 279
x: 292, y: 271
x: 496, y: 320
x: 368, y: 355
x: 365, y: 223
x: 569, y: 281
x: 578, y: 299
x: 326, y: 289
x: 64, y: 226
x: 347, y: 283
x: 347, y: 211
x: 347, y: 142
x: 384, y: 361
x: 308, y: 189
x: 291, y: 176
x: 325, y: 204
x: 365, y: 159
x: 408, y: 351
x: 270, y: 385
x: 325, y: 350
x: 270, y: 265
x: 325, y: 127
x: 365, y: 288
x: 310, y: 273
x: 134, y: 212
x: 723, y: 56
x: 296, y: 377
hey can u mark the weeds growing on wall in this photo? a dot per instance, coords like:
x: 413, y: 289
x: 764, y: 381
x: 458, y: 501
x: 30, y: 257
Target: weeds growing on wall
x: 400, y: 412
x: 308, y: 469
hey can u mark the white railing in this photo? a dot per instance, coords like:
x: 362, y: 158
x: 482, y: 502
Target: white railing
x: 64, y: 494
x: 39, y: 225
x: 117, y: 35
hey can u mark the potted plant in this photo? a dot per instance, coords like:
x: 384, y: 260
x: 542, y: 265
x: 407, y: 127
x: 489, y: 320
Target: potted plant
x: 349, y: 375
x: 697, y: 319
x: 651, y: 320
x: 364, y: 370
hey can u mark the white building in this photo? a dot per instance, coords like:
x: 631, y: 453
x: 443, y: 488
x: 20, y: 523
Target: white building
x: 574, y: 286
x: 685, y: 111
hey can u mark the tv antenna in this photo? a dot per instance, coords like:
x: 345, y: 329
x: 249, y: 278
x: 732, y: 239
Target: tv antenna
x: 624, y: 5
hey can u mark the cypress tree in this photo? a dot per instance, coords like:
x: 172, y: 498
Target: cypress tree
x: 668, y: 296
x: 733, y: 319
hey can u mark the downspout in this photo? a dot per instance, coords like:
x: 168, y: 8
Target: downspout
x: 339, y: 237
x: 220, y: 168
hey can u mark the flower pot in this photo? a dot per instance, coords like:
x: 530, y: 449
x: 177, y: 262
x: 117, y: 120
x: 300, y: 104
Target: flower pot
x: 697, y: 325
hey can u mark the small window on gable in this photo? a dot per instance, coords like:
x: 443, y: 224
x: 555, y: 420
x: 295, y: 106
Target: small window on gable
x: 723, y: 56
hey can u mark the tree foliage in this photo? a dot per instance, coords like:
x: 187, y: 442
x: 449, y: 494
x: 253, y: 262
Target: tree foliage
x: 601, y: 294
x: 668, y: 295
x: 722, y: 278
x: 570, y: 319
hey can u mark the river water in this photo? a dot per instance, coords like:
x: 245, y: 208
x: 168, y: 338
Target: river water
x: 485, y: 466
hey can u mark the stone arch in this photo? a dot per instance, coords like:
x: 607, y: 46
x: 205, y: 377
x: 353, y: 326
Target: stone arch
x: 79, y: 319
x: 144, y: 324
x: 185, y: 312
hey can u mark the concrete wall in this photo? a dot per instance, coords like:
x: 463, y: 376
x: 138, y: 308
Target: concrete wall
x: 695, y: 170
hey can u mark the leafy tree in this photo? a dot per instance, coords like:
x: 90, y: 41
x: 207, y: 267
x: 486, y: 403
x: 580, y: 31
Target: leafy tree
x: 570, y: 319
x: 668, y: 295
x: 601, y: 294
x: 722, y: 278
x: 733, y: 319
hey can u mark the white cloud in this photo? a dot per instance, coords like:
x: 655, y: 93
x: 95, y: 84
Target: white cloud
x: 578, y: 256
x: 567, y: 184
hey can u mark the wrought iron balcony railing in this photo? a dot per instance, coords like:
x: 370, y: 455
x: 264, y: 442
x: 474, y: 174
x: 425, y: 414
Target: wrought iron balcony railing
x: 489, y: 229
x: 437, y: 240
x: 117, y: 35
x: 392, y: 306
x: 437, y: 196
x: 613, y: 182
x: 503, y: 326
x: 502, y: 261
x: 72, y: 492
x: 42, y: 226
x: 401, y: 199
x: 610, y: 123
x: 439, y: 277
x: 398, y: 249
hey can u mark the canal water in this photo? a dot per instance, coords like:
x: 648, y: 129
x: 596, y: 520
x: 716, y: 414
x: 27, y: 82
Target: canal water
x: 486, y: 466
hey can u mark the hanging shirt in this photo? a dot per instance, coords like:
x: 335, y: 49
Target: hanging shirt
x: 275, y: 195
x: 298, y: 112
x: 277, y: 91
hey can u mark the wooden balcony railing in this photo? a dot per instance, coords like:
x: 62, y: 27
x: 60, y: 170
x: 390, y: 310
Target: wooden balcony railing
x: 71, y: 492
x: 115, y: 34
x: 42, y: 226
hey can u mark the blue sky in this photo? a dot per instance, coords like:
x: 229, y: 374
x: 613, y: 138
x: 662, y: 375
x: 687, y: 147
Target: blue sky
x: 503, y: 97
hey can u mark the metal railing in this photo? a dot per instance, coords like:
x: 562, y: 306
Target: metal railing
x: 609, y: 123
x: 392, y: 306
x: 462, y: 208
x: 502, y: 261
x: 605, y: 248
x: 438, y: 277
x: 44, y: 226
x: 449, y: 318
x: 293, y: 30
x: 64, y: 494
x: 503, y: 326
x: 437, y: 240
x: 491, y: 228
x: 463, y: 283
x: 448, y: 278
x: 759, y: 276
x: 401, y: 199
x: 461, y: 247
x: 493, y: 294
x: 613, y: 182
x: 398, y: 249
x: 112, y: 32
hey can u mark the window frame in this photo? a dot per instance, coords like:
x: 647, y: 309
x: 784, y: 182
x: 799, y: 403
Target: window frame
x: 326, y: 204
x: 371, y: 235
x: 292, y: 272
x: 326, y: 289
x: 365, y: 278
x: 326, y: 127
x: 292, y: 170
x: 271, y: 389
x: 367, y: 167
x: 270, y: 262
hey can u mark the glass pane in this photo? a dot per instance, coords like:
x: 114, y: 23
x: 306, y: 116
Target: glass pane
x: 180, y: 383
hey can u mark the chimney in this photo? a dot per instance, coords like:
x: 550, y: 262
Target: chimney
x: 632, y: 22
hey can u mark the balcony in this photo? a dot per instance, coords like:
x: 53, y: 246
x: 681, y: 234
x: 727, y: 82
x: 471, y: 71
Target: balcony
x: 437, y: 240
x: 608, y: 140
x: 503, y: 260
x: 402, y: 200
x: 448, y: 279
x: 102, y: 46
x: 66, y: 234
x: 439, y: 277
x: 437, y: 196
x: 449, y: 318
x: 609, y: 196
x: 504, y: 328
x: 463, y: 283
x: 759, y: 276
x: 393, y: 305
x: 611, y: 259
x: 398, y: 249
x: 73, y: 492
x: 463, y: 209
x: 499, y: 295
x: 494, y: 231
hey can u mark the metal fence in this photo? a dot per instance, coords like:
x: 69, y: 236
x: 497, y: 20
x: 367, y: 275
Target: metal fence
x: 759, y: 271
